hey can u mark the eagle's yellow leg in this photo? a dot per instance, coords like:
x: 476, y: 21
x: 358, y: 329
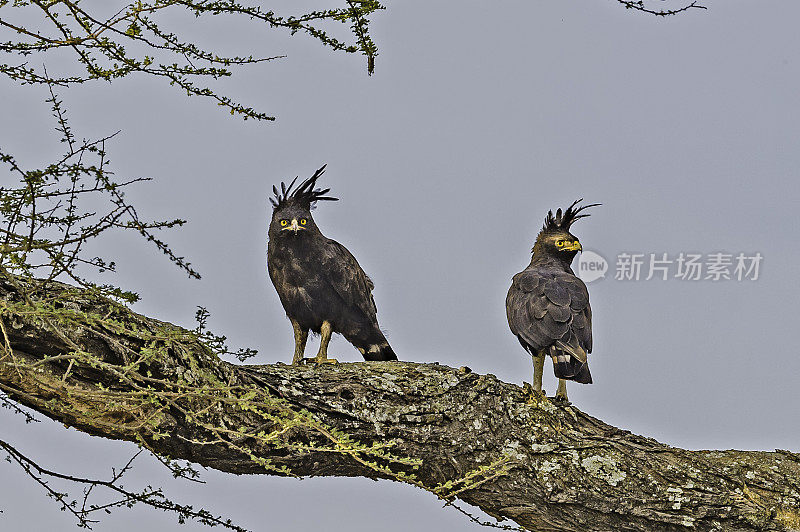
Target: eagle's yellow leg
x: 538, y: 370
x: 322, y: 357
x: 300, y: 337
x: 561, y: 393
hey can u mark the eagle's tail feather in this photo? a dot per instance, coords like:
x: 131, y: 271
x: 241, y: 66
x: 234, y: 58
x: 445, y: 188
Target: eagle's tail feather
x: 373, y: 345
x: 570, y: 368
x: 379, y: 352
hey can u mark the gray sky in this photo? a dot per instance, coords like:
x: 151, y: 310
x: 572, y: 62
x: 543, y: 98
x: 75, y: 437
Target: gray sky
x: 476, y: 122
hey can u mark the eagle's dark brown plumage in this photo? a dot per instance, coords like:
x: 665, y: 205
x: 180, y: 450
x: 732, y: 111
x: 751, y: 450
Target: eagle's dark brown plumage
x: 547, y: 306
x: 320, y: 284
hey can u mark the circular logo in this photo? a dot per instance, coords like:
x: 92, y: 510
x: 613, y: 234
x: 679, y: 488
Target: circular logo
x: 591, y: 266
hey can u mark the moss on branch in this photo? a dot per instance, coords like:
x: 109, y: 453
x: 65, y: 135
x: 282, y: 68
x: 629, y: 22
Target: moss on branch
x: 96, y: 365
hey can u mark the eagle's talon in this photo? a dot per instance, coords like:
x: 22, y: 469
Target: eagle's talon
x: 561, y: 401
x: 531, y: 391
x: 325, y: 361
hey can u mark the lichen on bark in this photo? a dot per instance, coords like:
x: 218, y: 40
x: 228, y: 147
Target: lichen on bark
x: 95, y: 365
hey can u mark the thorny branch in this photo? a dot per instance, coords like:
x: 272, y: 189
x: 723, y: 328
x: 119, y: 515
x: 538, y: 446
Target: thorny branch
x: 47, y: 220
x: 129, y: 38
x: 85, y: 510
x: 639, y: 5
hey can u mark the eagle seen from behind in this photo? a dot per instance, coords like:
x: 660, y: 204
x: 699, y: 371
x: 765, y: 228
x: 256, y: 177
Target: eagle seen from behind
x: 547, y: 306
x: 320, y: 284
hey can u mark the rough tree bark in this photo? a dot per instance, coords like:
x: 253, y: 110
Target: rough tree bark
x: 95, y: 365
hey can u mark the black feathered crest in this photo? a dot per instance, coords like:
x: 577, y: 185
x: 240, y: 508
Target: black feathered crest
x: 563, y: 220
x: 305, y: 195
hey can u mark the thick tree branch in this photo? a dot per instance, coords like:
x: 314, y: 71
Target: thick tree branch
x: 95, y: 365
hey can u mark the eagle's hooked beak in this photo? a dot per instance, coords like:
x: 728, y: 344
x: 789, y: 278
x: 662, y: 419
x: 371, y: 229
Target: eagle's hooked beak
x: 574, y: 246
x: 294, y: 226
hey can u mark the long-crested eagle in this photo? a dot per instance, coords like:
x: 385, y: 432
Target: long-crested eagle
x: 547, y: 306
x: 319, y: 282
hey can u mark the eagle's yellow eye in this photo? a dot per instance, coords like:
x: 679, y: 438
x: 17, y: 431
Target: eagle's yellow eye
x: 303, y: 221
x: 284, y: 223
x: 560, y: 243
